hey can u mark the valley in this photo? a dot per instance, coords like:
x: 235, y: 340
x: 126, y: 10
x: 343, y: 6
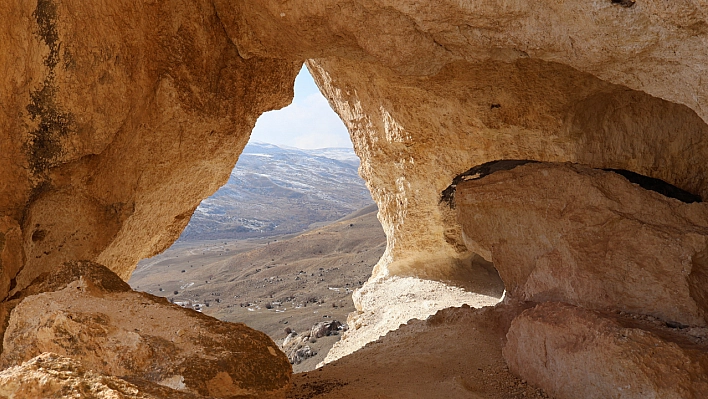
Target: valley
x: 280, y: 247
x: 273, y: 283
x: 274, y: 191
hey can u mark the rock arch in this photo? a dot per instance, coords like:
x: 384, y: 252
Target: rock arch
x: 119, y: 117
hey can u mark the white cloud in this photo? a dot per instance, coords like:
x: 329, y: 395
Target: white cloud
x: 307, y: 123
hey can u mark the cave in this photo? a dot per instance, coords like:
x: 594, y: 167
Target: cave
x: 120, y: 118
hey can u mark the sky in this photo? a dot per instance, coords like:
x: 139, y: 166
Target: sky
x: 307, y: 123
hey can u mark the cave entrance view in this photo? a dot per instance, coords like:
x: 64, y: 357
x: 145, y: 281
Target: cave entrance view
x: 566, y: 142
x: 285, y: 242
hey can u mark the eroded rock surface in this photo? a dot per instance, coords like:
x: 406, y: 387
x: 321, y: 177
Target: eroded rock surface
x: 578, y: 353
x: 52, y: 376
x: 563, y: 232
x: 107, y: 108
x: 99, y: 321
x: 119, y: 117
x: 389, y: 303
x: 110, y: 119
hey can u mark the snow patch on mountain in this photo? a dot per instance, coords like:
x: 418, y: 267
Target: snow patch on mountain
x: 274, y: 190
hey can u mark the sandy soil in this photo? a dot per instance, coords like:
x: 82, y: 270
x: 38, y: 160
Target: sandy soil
x: 456, y: 353
x: 391, y: 302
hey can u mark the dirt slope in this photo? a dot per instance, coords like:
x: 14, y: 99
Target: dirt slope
x: 305, y: 279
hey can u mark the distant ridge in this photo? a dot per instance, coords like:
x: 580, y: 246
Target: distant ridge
x: 275, y: 190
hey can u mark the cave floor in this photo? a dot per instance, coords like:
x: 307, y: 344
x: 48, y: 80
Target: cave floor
x: 454, y: 354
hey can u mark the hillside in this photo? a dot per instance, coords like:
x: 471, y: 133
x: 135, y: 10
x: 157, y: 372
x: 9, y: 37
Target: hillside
x: 304, y: 278
x: 274, y: 191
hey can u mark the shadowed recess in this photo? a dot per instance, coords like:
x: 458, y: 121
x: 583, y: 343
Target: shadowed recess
x: 487, y: 168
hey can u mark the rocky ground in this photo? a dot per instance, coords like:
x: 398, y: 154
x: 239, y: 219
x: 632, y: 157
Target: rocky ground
x: 274, y: 284
x: 423, y: 360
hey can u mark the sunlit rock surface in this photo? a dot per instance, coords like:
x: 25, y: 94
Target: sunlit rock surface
x: 52, y: 376
x: 113, y: 330
x: 120, y: 117
x: 563, y: 232
x: 578, y: 353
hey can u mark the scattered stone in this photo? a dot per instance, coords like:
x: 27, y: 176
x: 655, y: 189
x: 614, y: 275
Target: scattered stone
x: 325, y: 328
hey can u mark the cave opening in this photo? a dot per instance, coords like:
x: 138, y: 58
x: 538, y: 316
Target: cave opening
x: 282, y: 245
x: 159, y: 101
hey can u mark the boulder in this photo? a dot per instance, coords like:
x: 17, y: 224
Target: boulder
x: 52, y: 376
x: 588, y: 237
x: 97, y: 320
x: 325, y: 328
x: 577, y: 353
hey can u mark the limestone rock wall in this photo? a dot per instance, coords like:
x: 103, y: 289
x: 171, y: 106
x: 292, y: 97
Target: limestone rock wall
x: 118, y: 118
x: 618, y: 269
x: 111, y: 107
x: 576, y: 353
x: 415, y: 134
x: 653, y: 46
x: 596, y: 240
x: 429, y: 89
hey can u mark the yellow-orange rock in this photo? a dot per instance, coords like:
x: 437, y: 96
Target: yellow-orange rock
x: 569, y: 233
x: 455, y: 354
x: 130, y: 113
x: 118, y: 119
x: 653, y: 46
x: 577, y: 353
x: 415, y: 134
x: 98, y: 321
x: 52, y: 376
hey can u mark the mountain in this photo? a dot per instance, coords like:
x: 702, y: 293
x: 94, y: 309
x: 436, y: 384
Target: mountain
x: 278, y: 190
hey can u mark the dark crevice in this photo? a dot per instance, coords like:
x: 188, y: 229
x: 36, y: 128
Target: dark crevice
x: 624, y: 3
x: 657, y: 185
x: 646, y: 182
x: 478, y: 172
x: 39, y: 235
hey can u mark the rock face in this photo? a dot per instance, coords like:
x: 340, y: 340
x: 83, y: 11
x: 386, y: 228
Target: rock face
x: 454, y: 85
x: 115, y: 331
x: 52, y: 376
x: 107, y: 109
x: 591, y: 238
x: 596, y: 240
x: 456, y: 354
x: 120, y: 117
x: 389, y: 303
x: 577, y: 353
